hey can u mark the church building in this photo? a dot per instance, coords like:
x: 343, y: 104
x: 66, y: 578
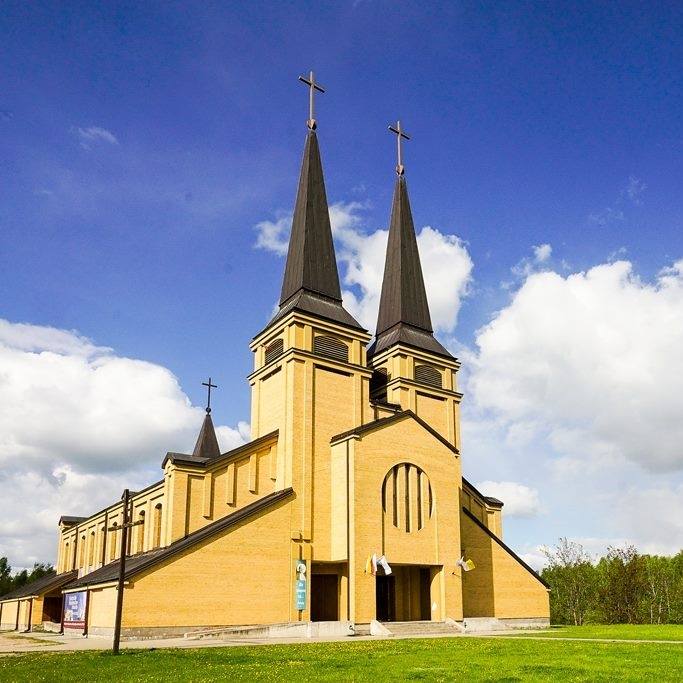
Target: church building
x: 347, y: 508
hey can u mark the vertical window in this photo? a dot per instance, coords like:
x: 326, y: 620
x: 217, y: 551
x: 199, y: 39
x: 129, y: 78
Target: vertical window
x: 113, y: 541
x: 157, y: 525
x: 66, y: 558
x: 91, y: 550
x: 81, y: 552
x: 141, y: 531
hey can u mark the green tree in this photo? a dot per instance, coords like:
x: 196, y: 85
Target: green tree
x: 623, y: 586
x: 572, y: 578
x: 5, y: 576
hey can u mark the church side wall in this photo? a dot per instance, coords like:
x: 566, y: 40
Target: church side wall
x: 499, y: 586
x: 101, y: 610
x: 241, y: 577
x: 9, y: 614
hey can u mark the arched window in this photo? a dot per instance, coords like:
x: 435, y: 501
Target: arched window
x: 330, y: 347
x: 113, y: 541
x: 66, y: 558
x: 157, y: 525
x: 273, y: 350
x: 427, y: 374
x: 141, y: 531
x: 81, y: 552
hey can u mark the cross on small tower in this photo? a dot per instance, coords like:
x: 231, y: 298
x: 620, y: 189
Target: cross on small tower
x: 399, y: 134
x: 209, y: 386
x: 312, y: 86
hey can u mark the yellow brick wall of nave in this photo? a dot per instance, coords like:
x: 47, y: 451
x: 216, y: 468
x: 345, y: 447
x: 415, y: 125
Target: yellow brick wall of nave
x: 499, y: 586
x: 242, y: 576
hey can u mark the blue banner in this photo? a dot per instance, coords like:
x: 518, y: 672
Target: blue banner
x: 74, y: 609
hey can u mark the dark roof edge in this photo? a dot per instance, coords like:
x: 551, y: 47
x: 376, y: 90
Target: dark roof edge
x: 506, y: 548
x: 384, y: 421
x: 493, y: 502
x: 198, y: 536
x: 42, y: 585
x: 186, y: 458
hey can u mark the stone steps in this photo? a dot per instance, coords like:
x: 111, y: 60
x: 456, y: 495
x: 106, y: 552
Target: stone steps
x: 421, y: 628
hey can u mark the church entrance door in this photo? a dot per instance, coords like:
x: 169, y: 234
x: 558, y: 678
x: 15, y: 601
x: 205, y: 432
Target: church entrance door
x: 404, y: 595
x: 385, y: 596
x: 324, y: 597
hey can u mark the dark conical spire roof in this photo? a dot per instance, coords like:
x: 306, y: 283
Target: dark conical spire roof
x: 311, y: 264
x: 311, y: 281
x: 207, y: 443
x: 403, y: 308
x: 404, y: 299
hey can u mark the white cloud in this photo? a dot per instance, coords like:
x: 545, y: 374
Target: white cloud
x: 77, y: 422
x: 274, y: 235
x: 446, y: 263
x: 519, y: 500
x: 94, y: 134
x: 542, y: 252
x: 595, y: 358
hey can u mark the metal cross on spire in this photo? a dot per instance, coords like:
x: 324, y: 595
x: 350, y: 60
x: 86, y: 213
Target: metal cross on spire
x: 400, y: 134
x: 209, y: 386
x: 312, y: 87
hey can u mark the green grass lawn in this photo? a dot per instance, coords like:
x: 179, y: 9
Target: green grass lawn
x: 616, y: 631
x: 463, y: 659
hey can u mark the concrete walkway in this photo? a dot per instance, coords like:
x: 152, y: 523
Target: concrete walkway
x: 12, y: 643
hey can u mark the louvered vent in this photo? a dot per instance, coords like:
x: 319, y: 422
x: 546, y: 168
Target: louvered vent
x: 274, y: 350
x: 426, y: 374
x: 331, y: 348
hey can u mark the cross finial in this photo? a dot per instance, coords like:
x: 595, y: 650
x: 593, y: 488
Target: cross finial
x: 312, y: 87
x: 209, y: 386
x: 400, y: 134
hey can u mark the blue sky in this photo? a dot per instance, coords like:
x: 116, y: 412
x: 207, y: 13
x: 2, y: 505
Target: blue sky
x: 142, y: 143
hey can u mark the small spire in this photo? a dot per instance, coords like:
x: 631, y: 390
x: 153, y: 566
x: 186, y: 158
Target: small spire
x: 207, y: 443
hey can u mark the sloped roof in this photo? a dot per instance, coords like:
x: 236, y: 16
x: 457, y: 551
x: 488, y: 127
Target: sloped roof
x: 45, y: 584
x: 490, y: 500
x: 70, y: 520
x: 386, y: 421
x: 137, y: 563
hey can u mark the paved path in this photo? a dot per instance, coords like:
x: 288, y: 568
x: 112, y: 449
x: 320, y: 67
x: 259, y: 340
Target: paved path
x: 15, y: 643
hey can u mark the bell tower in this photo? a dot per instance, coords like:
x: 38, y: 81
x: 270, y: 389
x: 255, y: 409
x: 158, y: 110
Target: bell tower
x: 310, y: 378
x: 410, y: 367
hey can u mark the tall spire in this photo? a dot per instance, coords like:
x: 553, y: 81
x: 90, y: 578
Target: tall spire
x: 404, y: 299
x: 311, y: 280
x: 403, y: 309
x: 311, y: 264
